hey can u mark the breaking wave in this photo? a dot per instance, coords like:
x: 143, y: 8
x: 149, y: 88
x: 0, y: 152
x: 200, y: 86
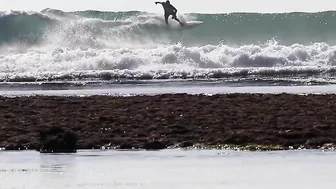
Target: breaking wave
x: 54, y: 45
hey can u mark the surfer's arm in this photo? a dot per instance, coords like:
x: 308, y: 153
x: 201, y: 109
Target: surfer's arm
x: 158, y: 2
x: 175, y: 10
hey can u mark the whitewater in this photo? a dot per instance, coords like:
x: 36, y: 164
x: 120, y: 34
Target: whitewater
x: 53, y: 46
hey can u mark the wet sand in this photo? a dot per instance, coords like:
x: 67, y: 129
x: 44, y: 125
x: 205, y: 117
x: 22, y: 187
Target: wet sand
x: 167, y: 120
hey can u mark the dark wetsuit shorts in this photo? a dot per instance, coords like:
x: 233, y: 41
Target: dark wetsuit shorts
x: 167, y: 14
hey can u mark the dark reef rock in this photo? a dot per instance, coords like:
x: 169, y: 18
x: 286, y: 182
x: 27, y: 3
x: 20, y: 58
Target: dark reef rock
x: 57, y: 140
x: 161, y: 121
x: 14, y: 147
x: 155, y: 145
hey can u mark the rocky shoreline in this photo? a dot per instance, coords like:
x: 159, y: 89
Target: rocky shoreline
x: 248, y: 121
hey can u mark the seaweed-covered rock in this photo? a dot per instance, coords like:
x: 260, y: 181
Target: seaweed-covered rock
x: 155, y: 145
x: 57, y: 140
x: 14, y: 146
x: 286, y: 120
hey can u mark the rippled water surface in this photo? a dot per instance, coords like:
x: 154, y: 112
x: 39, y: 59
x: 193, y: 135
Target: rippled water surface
x: 168, y: 169
x: 170, y: 89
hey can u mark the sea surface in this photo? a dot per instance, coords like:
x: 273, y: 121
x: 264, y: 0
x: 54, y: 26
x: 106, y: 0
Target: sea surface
x: 58, y: 50
x: 168, y: 169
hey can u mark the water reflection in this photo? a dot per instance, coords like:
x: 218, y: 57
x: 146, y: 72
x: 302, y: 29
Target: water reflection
x: 57, y: 170
x: 57, y: 163
x: 168, y: 169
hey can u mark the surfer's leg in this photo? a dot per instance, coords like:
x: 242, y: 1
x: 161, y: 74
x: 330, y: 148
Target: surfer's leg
x: 175, y: 18
x: 166, y: 18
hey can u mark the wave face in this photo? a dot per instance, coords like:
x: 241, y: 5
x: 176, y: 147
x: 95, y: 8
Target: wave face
x: 234, y: 28
x: 53, y: 45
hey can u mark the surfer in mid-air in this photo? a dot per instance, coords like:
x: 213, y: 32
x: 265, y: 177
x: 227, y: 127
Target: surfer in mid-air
x: 169, y: 10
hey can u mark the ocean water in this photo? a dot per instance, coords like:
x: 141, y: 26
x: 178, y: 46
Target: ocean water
x: 93, y: 48
x: 168, y: 169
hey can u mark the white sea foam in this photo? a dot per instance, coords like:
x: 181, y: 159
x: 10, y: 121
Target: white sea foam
x: 170, y: 61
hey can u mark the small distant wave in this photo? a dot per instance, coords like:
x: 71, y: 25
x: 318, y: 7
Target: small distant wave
x: 309, y: 74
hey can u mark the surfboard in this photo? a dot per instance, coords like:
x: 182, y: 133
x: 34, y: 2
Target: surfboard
x: 192, y: 24
x: 186, y: 25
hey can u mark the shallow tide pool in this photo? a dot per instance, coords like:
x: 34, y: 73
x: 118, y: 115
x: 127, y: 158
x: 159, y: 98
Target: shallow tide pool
x: 168, y: 169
